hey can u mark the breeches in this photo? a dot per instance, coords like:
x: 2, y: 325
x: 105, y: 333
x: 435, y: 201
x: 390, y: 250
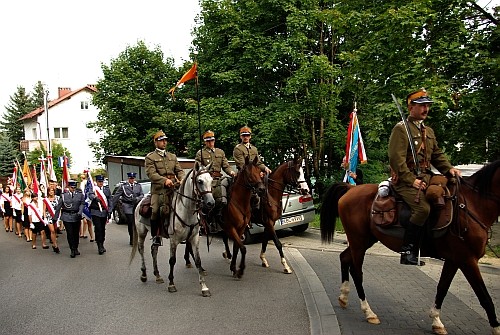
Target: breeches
x: 99, y: 228
x: 160, y: 203
x: 419, y: 211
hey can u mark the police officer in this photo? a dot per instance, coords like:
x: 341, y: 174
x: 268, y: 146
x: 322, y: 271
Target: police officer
x: 100, y: 211
x: 165, y: 173
x: 129, y: 193
x: 215, y: 156
x: 70, y: 207
x: 403, y: 169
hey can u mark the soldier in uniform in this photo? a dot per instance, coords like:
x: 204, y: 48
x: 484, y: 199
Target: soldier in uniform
x: 100, y: 211
x: 165, y: 173
x: 215, y: 156
x: 245, y: 149
x: 70, y: 207
x: 403, y: 168
x: 129, y: 193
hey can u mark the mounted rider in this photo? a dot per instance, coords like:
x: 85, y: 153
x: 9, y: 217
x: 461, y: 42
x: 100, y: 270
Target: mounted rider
x: 217, y: 158
x: 166, y: 174
x: 411, y: 178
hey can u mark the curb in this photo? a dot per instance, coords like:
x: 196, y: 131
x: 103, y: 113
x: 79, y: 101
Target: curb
x: 322, y: 317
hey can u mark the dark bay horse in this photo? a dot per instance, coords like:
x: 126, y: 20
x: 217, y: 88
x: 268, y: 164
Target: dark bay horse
x: 288, y: 173
x: 236, y: 215
x: 478, y: 207
x: 193, y: 195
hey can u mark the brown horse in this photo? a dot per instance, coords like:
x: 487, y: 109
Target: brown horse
x: 461, y: 246
x: 288, y: 173
x: 236, y: 215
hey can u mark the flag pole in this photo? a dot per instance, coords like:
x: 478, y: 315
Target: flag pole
x: 199, y: 115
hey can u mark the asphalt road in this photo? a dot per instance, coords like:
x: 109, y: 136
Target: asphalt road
x: 45, y: 293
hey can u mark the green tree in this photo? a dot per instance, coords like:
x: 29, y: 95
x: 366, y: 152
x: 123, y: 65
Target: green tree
x: 134, y: 103
x: 58, y: 150
x: 19, y: 105
x: 8, y: 154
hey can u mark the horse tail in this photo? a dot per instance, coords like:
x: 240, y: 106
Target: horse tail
x: 135, y: 236
x: 329, y: 210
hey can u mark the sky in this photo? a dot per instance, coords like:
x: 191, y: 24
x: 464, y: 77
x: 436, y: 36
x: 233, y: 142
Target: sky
x: 63, y: 43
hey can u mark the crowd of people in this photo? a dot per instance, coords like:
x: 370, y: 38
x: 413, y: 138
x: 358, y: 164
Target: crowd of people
x: 43, y: 217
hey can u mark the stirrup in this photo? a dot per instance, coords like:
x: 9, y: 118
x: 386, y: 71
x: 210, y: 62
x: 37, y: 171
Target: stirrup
x: 157, y: 241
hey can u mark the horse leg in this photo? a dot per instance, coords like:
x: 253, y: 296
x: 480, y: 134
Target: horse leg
x: 356, y: 265
x: 154, y: 253
x: 140, y: 247
x: 345, y: 263
x: 171, y: 262
x: 187, y: 252
x: 447, y: 275
x: 472, y: 273
x: 205, y: 291
x: 279, y: 246
x: 227, y: 253
x: 265, y: 240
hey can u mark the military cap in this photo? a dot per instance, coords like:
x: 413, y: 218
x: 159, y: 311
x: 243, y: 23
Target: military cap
x: 419, y: 97
x: 72, y: 183
x: 131, y: 174
x: 159, y: 135
x: 245, y: 131
x: 99, y: 178
x: 208, y: 136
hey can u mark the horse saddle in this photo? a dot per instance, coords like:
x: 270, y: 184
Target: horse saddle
x: 145, y: 208
x: 391, y: 211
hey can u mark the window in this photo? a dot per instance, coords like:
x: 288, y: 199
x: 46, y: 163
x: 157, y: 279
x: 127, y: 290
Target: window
x: 33, y: 133
x: 60, y: 132
x: 84, y: 105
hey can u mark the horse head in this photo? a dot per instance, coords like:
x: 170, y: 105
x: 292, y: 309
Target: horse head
x: 291, y: 173
x: 202, y: 185
x: 253, y: 177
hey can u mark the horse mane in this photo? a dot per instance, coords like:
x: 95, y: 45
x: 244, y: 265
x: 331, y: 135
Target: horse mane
x: 481, y: 180
x: 183, y: 183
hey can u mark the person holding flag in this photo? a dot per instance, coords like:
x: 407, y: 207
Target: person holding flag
x: 49, y: 203
x: 17, y: 206
x: 6, y: 205
x: 70, y: 207
x: 37, y: 220
x: 355, y: 151
x: 99, y: 197
x: 86, y: 185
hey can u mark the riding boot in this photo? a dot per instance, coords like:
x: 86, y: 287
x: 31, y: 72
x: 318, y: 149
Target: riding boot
x: 409, y: 250
x: 154, y: 233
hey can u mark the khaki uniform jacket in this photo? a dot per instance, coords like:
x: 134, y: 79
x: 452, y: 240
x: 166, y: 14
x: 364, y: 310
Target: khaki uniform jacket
x: 216, y: 157
x: 240, y: 152
x: 159, y: 166
x: 401, y: 158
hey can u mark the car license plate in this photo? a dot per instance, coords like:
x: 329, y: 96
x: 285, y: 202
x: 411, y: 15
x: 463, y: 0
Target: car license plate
x: 292, y: 219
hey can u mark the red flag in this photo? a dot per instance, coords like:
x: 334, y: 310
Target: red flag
x: 36, y: 189
x: 65, y: 173
x: 191, y: 74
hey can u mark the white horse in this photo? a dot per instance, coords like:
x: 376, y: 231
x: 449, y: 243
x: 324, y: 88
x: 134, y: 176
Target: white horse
x: 194, y: 194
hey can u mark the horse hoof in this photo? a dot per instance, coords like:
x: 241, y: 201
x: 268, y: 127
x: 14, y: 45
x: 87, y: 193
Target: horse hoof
x: 439, y: 330
x: 159, y: 280
x: 206, y: 293
x: 342, y: 303
x: 189, y: 266
x: 373, y: 321
x: 172, y: 289
x: 265, y: 265
x: 287, y: 271
x: 144, y: 279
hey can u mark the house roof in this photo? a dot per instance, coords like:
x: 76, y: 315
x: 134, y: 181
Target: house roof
x: 40, y: 110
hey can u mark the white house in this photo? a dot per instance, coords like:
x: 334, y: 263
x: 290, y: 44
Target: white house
x: 67, y: 120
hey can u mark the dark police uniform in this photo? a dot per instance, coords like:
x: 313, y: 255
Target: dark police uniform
x: 130, y: 194
x: 70, y: 207
x: 99, y: 213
